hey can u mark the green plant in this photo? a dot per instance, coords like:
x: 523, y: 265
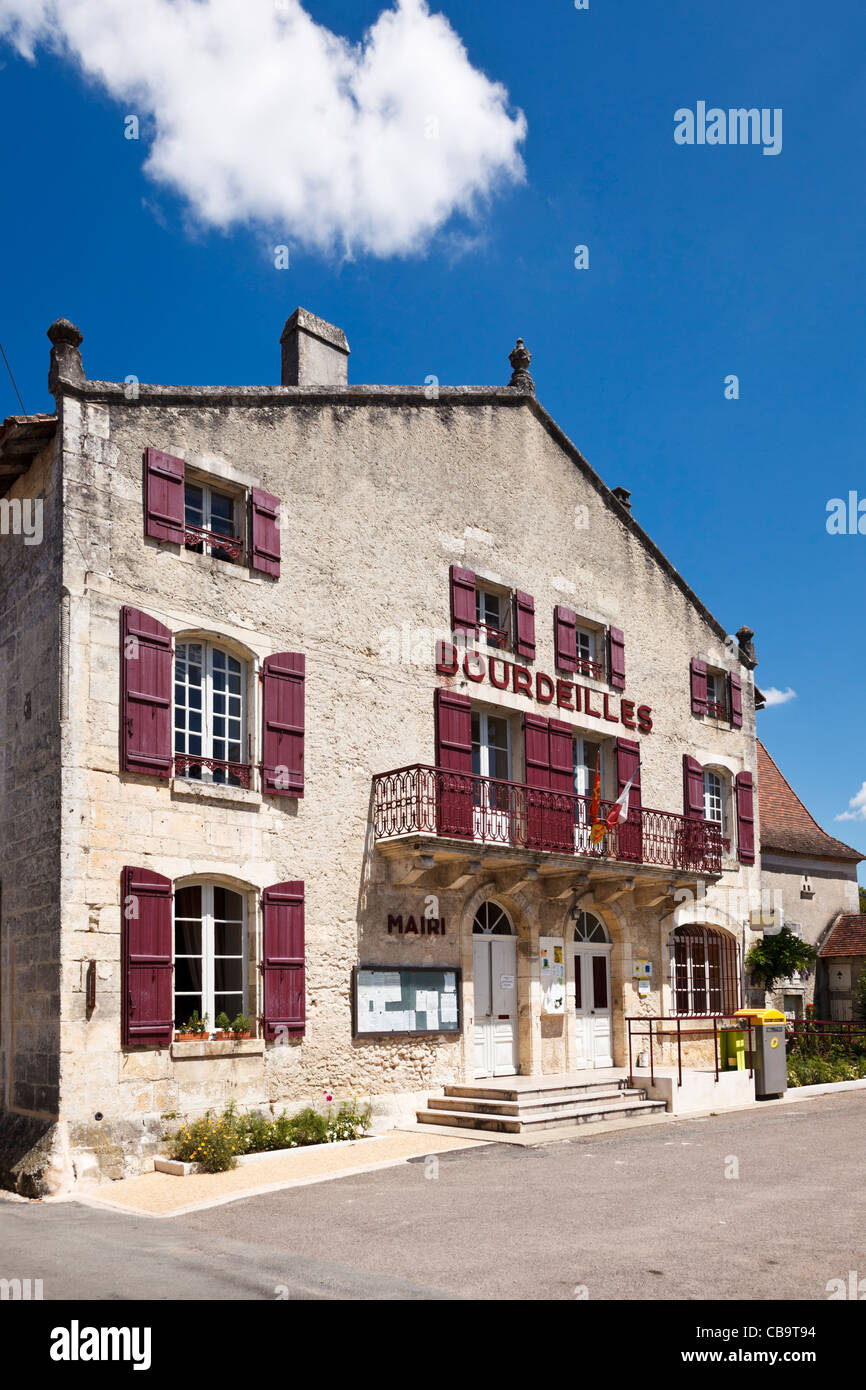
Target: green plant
x: 775, y: 958
x: 222, y: 1022
x: 808, y: 1069
x: 349, y: 1122
x: 209, y: 1142
x: 860, y: 992
x: 309, y: 1126
x: 241, y: 1024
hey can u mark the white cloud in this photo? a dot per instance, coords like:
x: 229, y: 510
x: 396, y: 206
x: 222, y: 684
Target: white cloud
x: 264, y: 116
x: 857, y: 806
x: 772, y: 696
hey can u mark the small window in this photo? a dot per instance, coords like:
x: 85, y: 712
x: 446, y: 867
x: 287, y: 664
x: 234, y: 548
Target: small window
x: 209, y: 715
x: 714, y: 799
x: 491, y: 615
x: 717, y: 696
x: 210, y: 953
x: 211, y: 522
x: 492, y: 920
x: 588, y: 928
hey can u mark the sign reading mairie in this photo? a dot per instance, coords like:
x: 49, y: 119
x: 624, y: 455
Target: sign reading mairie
x: 425, y: 926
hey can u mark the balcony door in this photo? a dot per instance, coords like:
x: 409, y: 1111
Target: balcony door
x: 592, y: 1011
x: 491, y: 765
x: 494, y: 978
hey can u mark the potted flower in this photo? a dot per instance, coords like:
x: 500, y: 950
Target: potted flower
x: 224, y: 1028
x: 241, y: 1027
x: 193, y: 1030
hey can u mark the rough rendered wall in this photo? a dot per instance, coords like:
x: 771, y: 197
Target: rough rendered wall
x: 377, y: 502
x: 30, y: 619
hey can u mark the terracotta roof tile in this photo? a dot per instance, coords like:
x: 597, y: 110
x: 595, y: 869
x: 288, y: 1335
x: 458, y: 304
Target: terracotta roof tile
x: 848, y: 936
x: 786, y: 824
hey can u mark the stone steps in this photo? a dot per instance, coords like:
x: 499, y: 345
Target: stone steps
x: 508, y: 1110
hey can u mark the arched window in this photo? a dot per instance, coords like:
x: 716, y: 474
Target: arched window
x: 705, y: 971
x: 588, y: 929
x: 492, y: 920
x: 210, y: 715
x: 210, y: 952
x: 716, y: 798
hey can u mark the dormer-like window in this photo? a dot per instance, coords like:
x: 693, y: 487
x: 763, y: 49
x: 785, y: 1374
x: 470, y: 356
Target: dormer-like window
x: 212, y: 522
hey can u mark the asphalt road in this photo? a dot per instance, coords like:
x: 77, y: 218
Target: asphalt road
x: 638, y: 1214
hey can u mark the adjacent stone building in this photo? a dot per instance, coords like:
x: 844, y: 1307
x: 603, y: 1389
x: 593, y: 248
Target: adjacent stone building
x: 810, y: 879
x: 304, y: 692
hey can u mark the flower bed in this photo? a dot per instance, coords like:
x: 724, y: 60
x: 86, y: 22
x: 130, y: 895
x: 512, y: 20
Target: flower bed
x: 214, y: 1143
x: 806, y: 1069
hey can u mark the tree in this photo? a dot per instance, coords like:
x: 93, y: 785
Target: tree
x: 860, y: 993
x: 862, y: 899
x: 775, y: 958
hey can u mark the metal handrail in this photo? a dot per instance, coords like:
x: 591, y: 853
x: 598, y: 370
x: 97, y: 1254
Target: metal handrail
x: 740, y: 1024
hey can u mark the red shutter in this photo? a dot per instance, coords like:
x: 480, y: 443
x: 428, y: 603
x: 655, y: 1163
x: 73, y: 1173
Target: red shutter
x: 164, y: 509
x: 283, y: 976
x: 693, y: 788
x: 524, y: 626
x: 536, y: 741
x: 699, y: 686
x: 565, y: 638
x: 145, y: 694
x: 745, y: 818
x: 462, y: 600
x: 283, y: 678
x: 146, y: 954
x: 629, y: 832
x: 453, y: 716
x: 736, y: 692
x: 265, y: 532
x: 694, y: 833
x: 616, y: 652
x: 561, y: 822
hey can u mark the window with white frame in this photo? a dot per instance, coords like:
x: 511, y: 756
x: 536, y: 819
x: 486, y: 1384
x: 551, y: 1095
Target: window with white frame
x: 210, y: 715
x: 212, y: 521
x: 714, y: 799
x: 210, y: 952
x: 717, y: 695
x: 491, y: 615
x: 491, y: 746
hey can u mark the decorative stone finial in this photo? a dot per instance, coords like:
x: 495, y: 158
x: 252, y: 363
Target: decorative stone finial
x: 65, y: 367
x: 747, y: 646
x: 520, y: 358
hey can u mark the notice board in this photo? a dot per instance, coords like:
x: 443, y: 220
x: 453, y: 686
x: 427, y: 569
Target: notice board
x: 408, y: 1000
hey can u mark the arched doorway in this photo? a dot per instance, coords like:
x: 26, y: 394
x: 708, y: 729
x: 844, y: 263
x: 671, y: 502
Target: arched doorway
x: 494, y: 977
x: 592, y: 1012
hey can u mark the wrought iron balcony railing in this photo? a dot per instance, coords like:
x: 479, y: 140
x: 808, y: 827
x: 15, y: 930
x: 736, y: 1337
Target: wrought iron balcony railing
x: 222, y: 547
x: 213, y: 771
x: 421, y: 800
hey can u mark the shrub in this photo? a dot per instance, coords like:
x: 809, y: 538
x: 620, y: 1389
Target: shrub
x: 806, y: 1070
x: 350, y: 1122
x: 309, y: 1126
x: 209, y: 1142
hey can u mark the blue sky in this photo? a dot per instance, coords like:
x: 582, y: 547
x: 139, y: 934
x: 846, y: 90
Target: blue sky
x: 703, y: 261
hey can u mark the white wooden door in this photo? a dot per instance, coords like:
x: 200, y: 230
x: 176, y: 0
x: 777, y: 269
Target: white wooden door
x: 494, y: 963
x: 592, y: 1007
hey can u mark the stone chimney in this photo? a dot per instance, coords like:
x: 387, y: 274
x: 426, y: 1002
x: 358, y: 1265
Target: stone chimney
x: 65, y: 365
x: 315, y: 353
x: 623, y: 495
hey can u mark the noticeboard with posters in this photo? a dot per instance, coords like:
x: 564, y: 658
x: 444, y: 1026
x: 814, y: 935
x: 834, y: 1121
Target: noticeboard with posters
x: 408, y: 1000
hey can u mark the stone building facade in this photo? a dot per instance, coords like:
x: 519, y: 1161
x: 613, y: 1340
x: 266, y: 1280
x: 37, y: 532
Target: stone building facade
x: 306, y: 687
x: 810, y: 878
